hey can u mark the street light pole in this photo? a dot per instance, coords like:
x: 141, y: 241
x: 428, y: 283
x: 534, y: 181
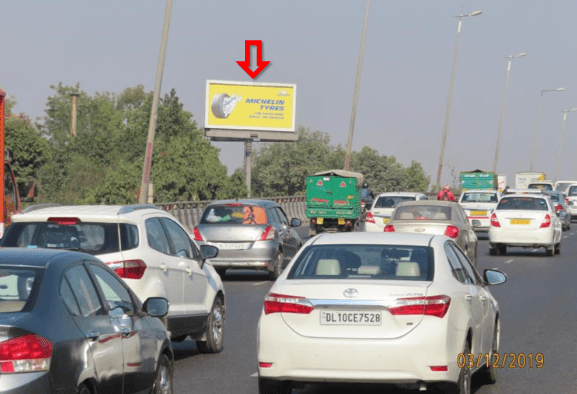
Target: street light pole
x: 538, y: 125
x: 450, y: 97
x: 561, y: 138
x: 503, y: 107
x: 357, y: 86
x: 154, y: 112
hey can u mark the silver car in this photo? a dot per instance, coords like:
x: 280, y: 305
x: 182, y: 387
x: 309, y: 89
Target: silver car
x: 561, y: 208
x: 436, y: 217
x: 250, y: 234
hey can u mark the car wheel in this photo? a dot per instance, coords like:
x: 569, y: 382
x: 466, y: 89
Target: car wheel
x: 83, y: 389
x: 268, y: 386
x: 489, y: 374
x: 221, y: 272
x: 214, y: 329
x: 493, y: 252
x: 558, y: 248
x: 164, y: 376
x: 463, y: 385
x: 277, y: 268
x: 502, y: 250
x: 569, y: 225
x: 552, y: 251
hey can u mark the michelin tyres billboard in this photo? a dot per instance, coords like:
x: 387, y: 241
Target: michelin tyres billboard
x: 250, y: 106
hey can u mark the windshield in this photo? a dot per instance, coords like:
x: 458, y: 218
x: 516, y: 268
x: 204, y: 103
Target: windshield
x: 16, y: 286
x: 523, y: 204
x: 423, y: 212
x: 391, y: 201
x: 390, y: 262
x: 234, y: 214
x: 572, y: 191
x: 479, y: 197
x: 554, y: 197
x: 562, y: 186
x: 540, y: 186
x: 93, y: 238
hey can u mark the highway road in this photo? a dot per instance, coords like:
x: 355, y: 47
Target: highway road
x: 538, y: 316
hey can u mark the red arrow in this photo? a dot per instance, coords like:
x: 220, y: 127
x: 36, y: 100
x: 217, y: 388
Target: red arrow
x: 245, y: 64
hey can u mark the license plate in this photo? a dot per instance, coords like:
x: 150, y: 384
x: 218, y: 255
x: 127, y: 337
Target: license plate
x: 478, y: 213
x: 351, y: 318
x: 386, y: 220
x: 341, y: 221
x: 521, y: 221
x: 231, y: 246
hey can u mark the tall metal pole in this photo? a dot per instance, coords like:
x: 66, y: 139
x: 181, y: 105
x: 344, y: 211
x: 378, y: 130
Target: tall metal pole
x: 450, y: 96
x: 154, y: 112
x: 538, y: 126
x: 73, y: 115
x: 561, y: 139
x: 248, y: 164
x: 357, y: 86
x: 2, y: 120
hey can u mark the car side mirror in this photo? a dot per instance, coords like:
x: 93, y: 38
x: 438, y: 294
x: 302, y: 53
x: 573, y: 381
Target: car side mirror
x: 475, y: 223
x: 295, y: 222
x: 208, y: 252
x: 156, y: 306
x: 494, y: 277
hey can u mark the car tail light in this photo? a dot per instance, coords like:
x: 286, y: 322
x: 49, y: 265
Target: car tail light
x: 265, y: 365
x: 452, y: 232
x: 558, y: 207
x: 234, y: 205
x: 314, y: 221
x: 567, y: 201
x: 546, y: 222
x: 369, y: 218
x: 267, y: 234
x: 440, y: 368
x: 389, y: 228
x: 28, y: 353
x: 274, y: 303
x: 433, y: 306
x: 128, y: 269
x: 64, y: 221
x: 495, y: 221
x: 197, y: 236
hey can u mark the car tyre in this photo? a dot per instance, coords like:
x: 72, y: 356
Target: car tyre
x: 214, y: 329
x: 463, y: 385
x: 277, y: 268
x: 493, y: 252
x: 558, y: 248
x: 488, y: 374
x: 163, y: 383
x: 268, y: 386
x: 83, y: 389
x: 551, y: 251
x: 502, y: 250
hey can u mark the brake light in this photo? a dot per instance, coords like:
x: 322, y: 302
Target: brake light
x: 567, y: 201
x: 452, y: 232
x: 314, y: 221
x: 432, y: 306
x: 28, y: 353
x: 558, y: 207
x: 274, y: 303
x: 264, y: 365
x: 440, y: 368
x: 64, y: 221
x: 197, y: 236
x: 495, y: 221
x: 369, y: 218
x: 389, y: 228
x: 128, y: 269
x: 267, y: 234
x: 546, y: 222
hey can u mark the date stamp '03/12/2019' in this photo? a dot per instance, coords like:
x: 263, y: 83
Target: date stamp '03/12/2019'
x: 505, y: 360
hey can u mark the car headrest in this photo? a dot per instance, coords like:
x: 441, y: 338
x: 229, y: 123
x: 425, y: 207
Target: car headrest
x: 369, y: 270
x: 328, y: 267
x: 408, y: 269
x: 406, y: 216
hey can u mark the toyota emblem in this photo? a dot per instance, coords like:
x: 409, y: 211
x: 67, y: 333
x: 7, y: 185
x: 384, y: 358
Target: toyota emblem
x: 351, y: 293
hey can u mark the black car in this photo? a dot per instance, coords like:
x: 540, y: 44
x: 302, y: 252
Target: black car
x: 68, y: 324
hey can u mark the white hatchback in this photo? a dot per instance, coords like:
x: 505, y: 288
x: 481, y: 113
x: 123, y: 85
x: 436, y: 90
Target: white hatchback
x: 479, y: 205
x: 145, y: 246
x: 380, y: 212
x: 402, y: 309
x: 525, y: 220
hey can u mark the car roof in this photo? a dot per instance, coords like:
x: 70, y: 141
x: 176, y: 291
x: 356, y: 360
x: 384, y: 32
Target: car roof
x: 363, y: 238
x: 427, y: 202
x: 101, y: 211
x: 262, y: 203
x: 530, y: 195
x: 481, y: 191
x: 38, y: 257
x: 410, y: 194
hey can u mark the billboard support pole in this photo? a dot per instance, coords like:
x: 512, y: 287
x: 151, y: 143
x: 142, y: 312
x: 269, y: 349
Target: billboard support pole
x: 248, y: 162
x: 2, y: 120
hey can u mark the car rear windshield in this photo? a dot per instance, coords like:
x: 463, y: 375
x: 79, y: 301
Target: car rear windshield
x: 562, y: 186
x: 423, y: 212
x: 540, y: 186
x: 234, y: 214
x: 554, y: 197
x: 93, y: 238
x: 479, y: 197
x: 391, y: 201
x: 523, y: 204
x: 572, y: 191
x: 382, y: 262
x: 18, y: 288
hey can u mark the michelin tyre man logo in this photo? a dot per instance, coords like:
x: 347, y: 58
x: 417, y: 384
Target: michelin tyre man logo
x: 222, y: 104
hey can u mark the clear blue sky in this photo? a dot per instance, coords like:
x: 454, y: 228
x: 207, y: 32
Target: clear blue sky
x: 110, y: 45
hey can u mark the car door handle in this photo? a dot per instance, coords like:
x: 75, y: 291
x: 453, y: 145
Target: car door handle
x: 483, y: 298
x: 468, y: 297
x: 163, y: 267
x: 93, y: 335
x: 188, y: 270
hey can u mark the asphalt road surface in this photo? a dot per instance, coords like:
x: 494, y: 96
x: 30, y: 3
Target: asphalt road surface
x: 538, y: 315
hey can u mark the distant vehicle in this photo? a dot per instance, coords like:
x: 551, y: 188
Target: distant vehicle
x: 571, y: 199
x: 561, y: 207
x: 250, y: 234
x: 562, y: 186
x: 501, y: 182
x: 436, y: 217
x: 542, y: 185
x: 334, y: 201
x: 521, y: 191
x: 527, y: 221
x: 479, y: 179
x: 523, y: 179
x: 70, y: 324
x: 380, y: 213
x: 372, y: 308
x: 479, y: 205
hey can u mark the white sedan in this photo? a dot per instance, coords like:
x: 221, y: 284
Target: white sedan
x: 401, y: 309
x: 379, y: 214
x: 479, y: 205
x: 525, y: 220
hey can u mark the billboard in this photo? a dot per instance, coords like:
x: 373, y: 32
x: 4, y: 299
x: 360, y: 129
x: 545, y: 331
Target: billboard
x: 250, y: 107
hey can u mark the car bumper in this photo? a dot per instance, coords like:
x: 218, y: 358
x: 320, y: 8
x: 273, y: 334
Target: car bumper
x: 485, y: 223
x: 404, y: 360
x: 31, y: 382
x: 526, y: 238
x: 374, y: 228
x: 259, y: 255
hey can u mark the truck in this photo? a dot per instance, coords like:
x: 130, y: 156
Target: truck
x: 523, y: 179
x: 501, y: 182
x: 478, y: 179
x: 334, y: 201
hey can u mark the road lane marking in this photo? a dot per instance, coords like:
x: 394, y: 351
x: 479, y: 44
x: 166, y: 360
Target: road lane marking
x: 571, y: 233
x: 261, y: 283
x: 565, y: 236
x: 509, y: 261
x: 254, y: 375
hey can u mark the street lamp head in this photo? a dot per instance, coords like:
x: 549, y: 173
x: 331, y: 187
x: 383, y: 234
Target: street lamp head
x: 522, y: 54
x: 475, y: 13
x: 559, y: 89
